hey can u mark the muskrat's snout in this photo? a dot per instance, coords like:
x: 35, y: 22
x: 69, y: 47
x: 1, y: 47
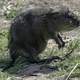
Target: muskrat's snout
x: 77, y: 22
x: 73, y: 19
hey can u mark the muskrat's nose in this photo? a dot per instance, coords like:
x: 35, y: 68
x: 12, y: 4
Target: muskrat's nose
x: 79, y: 23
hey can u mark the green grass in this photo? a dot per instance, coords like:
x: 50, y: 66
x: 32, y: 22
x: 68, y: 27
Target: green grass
x: 12, y: 13
x: 64, y: 67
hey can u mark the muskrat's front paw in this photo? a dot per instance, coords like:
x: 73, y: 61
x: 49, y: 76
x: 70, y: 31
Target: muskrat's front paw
x: 61, y: 45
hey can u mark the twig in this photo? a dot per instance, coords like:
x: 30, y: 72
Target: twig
x: 67, y: 54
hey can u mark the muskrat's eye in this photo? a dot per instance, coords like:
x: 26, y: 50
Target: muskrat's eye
x: 70, y: 22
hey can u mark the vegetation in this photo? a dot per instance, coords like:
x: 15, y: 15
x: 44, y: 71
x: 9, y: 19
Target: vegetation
x: 64, y: 67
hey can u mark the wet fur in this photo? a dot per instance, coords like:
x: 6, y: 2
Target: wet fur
x: 30, y: 31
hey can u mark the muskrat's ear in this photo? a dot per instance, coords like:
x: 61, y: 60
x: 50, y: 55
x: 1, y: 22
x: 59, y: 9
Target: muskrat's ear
x: 69, y: 12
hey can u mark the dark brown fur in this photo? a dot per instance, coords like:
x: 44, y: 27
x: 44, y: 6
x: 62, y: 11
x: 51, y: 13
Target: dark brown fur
x: 30, y: 31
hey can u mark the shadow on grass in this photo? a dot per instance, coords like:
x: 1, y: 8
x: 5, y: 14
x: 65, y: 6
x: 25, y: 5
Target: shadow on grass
x: 22, y: 67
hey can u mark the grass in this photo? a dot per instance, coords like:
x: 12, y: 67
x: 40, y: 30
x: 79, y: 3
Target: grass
x: 64, y: 67
x: 10, y: 14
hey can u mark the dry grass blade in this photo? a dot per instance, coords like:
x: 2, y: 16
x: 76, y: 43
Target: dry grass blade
x: 71, y: 71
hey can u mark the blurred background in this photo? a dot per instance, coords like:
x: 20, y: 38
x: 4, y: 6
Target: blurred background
x: 21, y: 71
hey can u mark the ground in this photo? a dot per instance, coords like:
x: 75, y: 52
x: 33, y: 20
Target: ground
x: 22, y: 70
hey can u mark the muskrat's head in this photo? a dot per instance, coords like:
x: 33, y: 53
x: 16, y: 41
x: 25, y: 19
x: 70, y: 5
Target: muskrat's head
x: 64, y: 20
x: 69, y: 20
